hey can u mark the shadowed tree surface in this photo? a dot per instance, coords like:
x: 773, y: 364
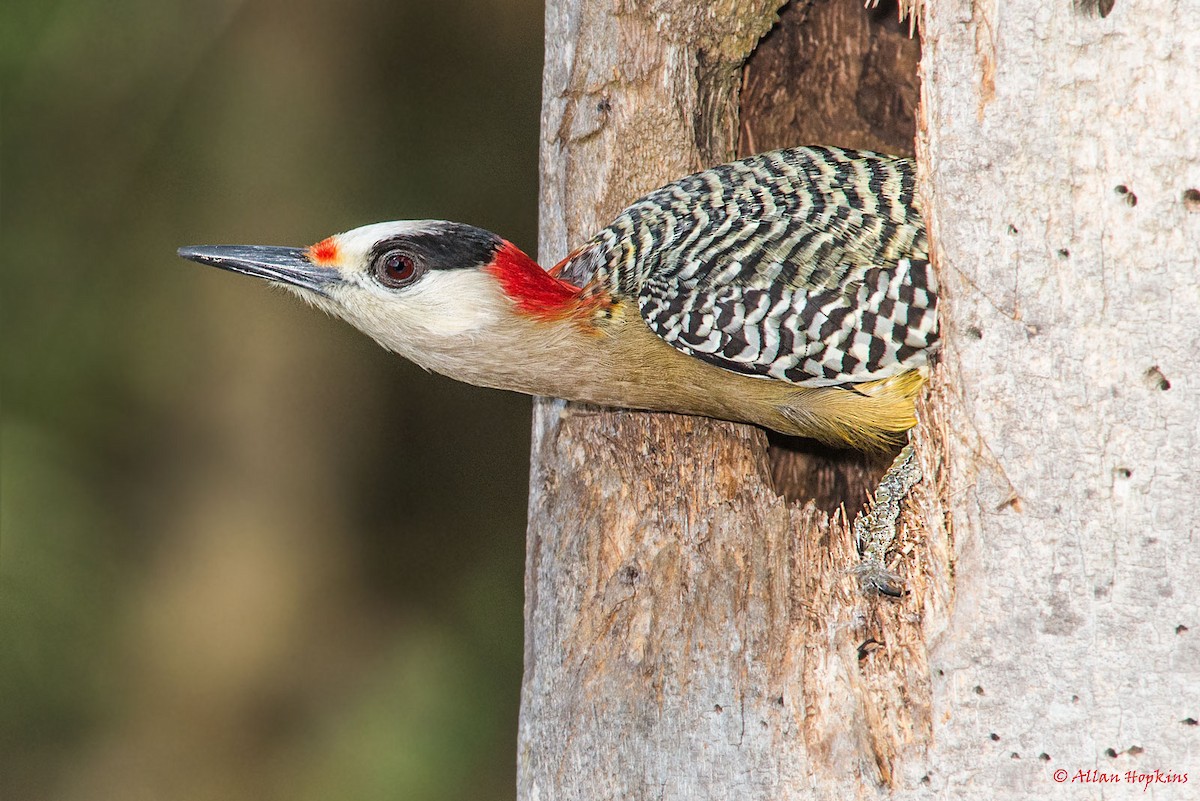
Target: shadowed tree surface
x: 690, y: 631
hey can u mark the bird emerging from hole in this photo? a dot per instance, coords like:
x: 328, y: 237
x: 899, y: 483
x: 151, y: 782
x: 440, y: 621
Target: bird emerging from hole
x: 791, y: 290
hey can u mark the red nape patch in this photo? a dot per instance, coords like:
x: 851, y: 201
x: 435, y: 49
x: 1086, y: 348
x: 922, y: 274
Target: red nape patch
x: 535, y: 291
x: 324, y: 252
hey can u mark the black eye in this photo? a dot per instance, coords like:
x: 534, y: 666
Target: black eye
x: 395, y: 269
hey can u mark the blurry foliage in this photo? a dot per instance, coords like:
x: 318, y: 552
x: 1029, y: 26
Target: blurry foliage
x: 244, y: 553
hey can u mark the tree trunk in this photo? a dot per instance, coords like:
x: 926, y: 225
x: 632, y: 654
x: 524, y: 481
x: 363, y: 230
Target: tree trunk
x: 1062, y: 178
x: 692, y: 631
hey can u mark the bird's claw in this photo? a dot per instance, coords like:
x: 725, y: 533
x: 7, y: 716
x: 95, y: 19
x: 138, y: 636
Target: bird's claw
x: 875, y: 529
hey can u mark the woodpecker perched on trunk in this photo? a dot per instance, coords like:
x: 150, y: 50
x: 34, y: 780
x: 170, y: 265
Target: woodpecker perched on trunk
x: 791, y: 290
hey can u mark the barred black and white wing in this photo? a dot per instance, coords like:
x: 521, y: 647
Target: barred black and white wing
x: 807, y: 265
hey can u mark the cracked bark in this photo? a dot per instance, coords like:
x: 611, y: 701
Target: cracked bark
x: 691, y: 628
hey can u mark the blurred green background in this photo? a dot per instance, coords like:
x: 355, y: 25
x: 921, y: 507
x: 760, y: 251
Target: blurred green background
x: 245, y: 553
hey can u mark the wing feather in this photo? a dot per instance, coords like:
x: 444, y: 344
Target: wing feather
x: 806, y: 265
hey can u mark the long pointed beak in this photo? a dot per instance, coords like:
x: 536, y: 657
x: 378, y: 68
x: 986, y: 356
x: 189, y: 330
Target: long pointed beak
x: 284, y: 265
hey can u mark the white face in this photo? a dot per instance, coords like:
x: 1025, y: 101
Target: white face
x: 416, y: 287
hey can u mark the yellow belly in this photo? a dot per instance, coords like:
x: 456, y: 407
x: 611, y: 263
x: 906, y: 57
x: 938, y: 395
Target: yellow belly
x: 637, y: 369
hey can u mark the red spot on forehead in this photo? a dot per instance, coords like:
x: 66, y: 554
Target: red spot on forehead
x: 324, y: 252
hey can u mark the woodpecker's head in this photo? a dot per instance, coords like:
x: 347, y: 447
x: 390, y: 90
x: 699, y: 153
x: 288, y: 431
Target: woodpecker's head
x: 427, y: 289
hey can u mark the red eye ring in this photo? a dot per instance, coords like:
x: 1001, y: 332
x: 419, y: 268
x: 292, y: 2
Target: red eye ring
x: 395, y: 269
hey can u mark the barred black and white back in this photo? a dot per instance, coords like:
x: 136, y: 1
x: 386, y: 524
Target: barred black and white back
x: 808, y: 265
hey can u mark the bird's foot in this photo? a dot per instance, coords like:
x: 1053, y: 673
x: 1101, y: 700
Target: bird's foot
x: 875, y: 530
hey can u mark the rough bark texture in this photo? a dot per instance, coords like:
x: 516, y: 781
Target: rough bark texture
x: 1062, y: 173
x: 832, y: 68
x: 691, y: 633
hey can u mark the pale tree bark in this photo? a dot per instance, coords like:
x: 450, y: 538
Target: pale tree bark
x: 1062, y: 166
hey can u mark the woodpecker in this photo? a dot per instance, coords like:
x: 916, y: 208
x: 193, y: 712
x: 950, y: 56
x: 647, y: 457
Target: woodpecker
x: 791, y: 290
